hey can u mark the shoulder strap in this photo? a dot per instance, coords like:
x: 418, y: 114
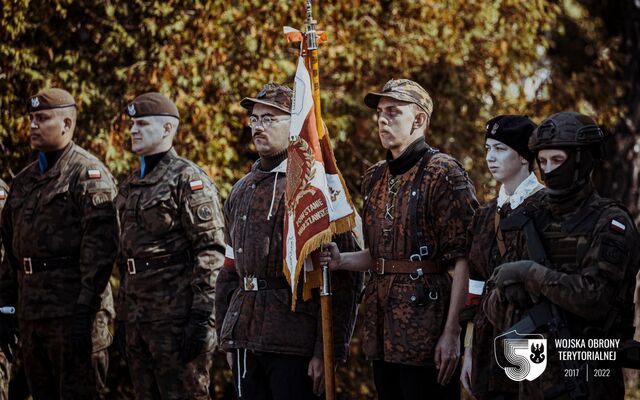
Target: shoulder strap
x: 374, y: 177
x: 419, y: 247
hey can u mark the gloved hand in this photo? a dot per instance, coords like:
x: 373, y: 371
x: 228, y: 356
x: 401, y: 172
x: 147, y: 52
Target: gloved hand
x: 121, y: 338
x: 511, y: 273
x: 195, y: 335
x: 7, y: 335
x: 518, y: 295
x: 81, y: 328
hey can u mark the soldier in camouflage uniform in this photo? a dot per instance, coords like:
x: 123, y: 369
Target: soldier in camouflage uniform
x: 5, y: 365
x: 589, y: 242
x: 510, y: 162
x: 274, y: 353
x: 417, y: 205
x: 59, y: 229
x: 171, y: 248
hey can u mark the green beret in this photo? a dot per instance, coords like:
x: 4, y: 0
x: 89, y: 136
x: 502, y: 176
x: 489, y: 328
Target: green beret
x: 48, y: 99
x: 152, y: 104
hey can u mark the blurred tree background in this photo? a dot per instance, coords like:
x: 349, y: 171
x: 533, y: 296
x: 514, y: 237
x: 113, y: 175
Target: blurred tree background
x: 477, y: 58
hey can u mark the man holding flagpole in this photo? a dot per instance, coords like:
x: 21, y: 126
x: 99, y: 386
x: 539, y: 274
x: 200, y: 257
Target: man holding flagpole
x: 417, y: 204
x: 273, y: 351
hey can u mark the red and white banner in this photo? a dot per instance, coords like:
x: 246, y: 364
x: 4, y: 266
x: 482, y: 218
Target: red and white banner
x: 317, y: 203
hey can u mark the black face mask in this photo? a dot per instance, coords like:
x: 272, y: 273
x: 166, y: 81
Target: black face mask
x: 573, y: 174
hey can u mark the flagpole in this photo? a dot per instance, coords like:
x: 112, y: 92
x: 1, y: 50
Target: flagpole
x: 325, y: 292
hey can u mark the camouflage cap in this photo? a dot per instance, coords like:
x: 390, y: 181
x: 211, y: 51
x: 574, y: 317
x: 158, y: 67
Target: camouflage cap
x: 272, y: 94
x: 50, y: 98
x: 403, y: 90
x: 152, y: 104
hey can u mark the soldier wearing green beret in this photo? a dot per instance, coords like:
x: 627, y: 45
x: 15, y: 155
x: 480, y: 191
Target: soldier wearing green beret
x: 171, y: 248
x: 59, y: 229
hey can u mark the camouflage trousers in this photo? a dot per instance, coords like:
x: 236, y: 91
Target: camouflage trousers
x: 53, y: 370
x: 153, y: 356
x: 5, y: 376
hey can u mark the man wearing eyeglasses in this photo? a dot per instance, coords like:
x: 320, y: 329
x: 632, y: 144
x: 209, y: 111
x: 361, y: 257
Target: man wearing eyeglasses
x: 417, y: 205
x: 274, y: 353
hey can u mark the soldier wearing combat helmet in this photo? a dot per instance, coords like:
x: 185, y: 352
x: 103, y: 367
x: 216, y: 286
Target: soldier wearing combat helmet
x: 588, y: 267
x: 171, y: 248
x: 59, y: 229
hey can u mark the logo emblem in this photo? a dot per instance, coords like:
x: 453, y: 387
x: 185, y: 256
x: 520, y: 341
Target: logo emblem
x: 494, y: 129
x: 35, y: 102
x: 521, y: 356
x: 131, y: 109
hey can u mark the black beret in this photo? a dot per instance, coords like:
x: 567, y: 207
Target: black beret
x: 512, y: 130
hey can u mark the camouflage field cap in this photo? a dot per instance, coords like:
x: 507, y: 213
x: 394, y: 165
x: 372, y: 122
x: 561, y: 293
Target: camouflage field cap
x: 403, y: 90
x: 272, y: 94
x: 152, y: 104
x: 50, y: 98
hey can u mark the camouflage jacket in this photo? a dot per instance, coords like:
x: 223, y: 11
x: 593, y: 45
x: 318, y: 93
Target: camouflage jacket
x: 591, y: 279
x: 484, y: 256
x: 66, y: 212
x: 263, y: 320
x: 173, y: 210
x: 4, y: 193
x: 395, y: 329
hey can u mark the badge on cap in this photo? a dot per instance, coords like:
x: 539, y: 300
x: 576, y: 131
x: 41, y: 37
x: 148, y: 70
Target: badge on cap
x: 617, y: 226
x: 196, y: 185
x: 3, y: 194
x: 494, y: 129
x: 94, y: 174
x: 35, y: 102
x: 131, y: 109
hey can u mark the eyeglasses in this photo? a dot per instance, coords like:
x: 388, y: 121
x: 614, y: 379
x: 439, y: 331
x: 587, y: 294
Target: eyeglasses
x: 265, y: 120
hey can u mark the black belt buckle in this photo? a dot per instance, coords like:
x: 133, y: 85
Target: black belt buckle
x: 27, y: 265
x: 131, y: 266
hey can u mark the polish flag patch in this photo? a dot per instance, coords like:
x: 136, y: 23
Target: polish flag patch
x: 229, y: 259
x: 94, y: 174
x: 475, y: 292
x: 617, y: 226
x: 196, y: 185
x: 3, y: 194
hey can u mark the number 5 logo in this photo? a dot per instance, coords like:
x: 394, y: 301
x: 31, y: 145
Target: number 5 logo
x: 522, y: 358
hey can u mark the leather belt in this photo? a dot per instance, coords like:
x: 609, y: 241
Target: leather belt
x: 254, y: 284
x: 33, y: 265
x: 135, y: 265
x: 383, y: 266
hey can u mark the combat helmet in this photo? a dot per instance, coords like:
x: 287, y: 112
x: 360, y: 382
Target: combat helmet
x: 567, y: 129
x: 581, y: 138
